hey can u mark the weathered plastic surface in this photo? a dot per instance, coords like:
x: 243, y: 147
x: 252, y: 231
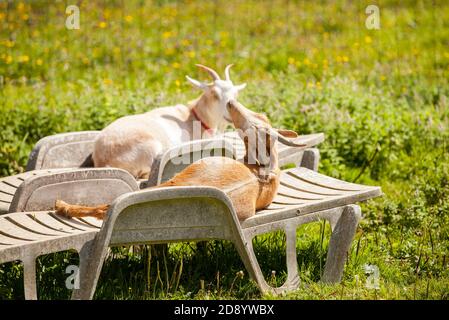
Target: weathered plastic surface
x: 65, y: 150
x: 170, y: 163
x: 25, y: 236
x: 178, y: 158
x: 90, y: 187
x: 73, y: 149
x: 191, y: 214
x: 9, y: 185
x: 204, y: 213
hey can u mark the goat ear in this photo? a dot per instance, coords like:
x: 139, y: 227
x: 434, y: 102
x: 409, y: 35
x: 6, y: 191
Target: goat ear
x: 196, y: 83
x: 287, y: 133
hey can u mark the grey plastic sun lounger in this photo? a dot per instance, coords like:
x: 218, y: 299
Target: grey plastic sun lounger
x: 191, y: 214
x: 63, y: 160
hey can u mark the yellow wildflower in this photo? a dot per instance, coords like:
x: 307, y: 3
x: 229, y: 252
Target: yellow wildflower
x: 176, y: 65
x: 24, y: 59
x: 129, y: 19
x: 306, y: 61
x: 345, y: 58
x: 166, y: 34
x: 39, y: 62
x: 191, y: 54
x: 102, y: 25
x: 185, y: 42
x: 178, y: 83
x: 291, y: 60
x: 170, y: 51
x: 25, y: 17
x: 107, y: 81
x: 2, y: 16
x: 368, y: 39
x: 8, y: 59
x: 107, y: 14
x: 9, y: 43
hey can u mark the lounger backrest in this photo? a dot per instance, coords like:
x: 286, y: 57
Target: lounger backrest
x: 66, y: 150
x: 90, y: 187
x: 177, y: 158
x: 170, y: 215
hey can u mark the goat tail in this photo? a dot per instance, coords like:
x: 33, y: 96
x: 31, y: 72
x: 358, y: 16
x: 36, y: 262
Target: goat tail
x: 75, y: 211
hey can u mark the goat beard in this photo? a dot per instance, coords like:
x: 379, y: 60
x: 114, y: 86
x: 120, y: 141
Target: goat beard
x: 75, y: 211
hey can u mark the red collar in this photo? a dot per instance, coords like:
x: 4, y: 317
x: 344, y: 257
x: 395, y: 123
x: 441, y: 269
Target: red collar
x: 204, y: 125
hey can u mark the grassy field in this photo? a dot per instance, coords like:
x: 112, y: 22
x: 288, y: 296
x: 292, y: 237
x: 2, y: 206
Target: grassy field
x: 380, y: 96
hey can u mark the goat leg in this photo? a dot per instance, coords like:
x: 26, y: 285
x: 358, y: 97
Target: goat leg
x: 75, y: 211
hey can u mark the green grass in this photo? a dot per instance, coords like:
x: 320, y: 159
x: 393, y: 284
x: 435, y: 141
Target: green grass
x: 380, y: 96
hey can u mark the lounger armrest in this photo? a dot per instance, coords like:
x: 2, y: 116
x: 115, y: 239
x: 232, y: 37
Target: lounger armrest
x: 89, y: 186
x: 65, y: 150
x: 179, y: 157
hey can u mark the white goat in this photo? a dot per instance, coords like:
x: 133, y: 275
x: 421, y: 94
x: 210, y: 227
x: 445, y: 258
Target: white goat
x: 133, y: 142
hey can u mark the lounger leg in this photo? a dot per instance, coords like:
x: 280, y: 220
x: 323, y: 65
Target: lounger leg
x: 340, y: 242
x: 29, y: 277
x: 246, y: 252
x: 310, y: 159
x: 248, y: 256
x: 292, y: 281
x: 89, y: 272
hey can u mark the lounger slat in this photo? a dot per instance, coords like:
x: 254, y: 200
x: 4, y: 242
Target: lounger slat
x: 9, y: 229
x: 292, y: 182
x: 71, y: 222
x: 283, y: 208
x: 11, y: 241
x: 50, y: 221
x: 4, y: 197
x: 28, y: 223
x: 296, y: 194
x: 13, y: 245
x: 12, y: 181
x: 280, y: 199
x: 7, y: 188
x: 323, y: 181
x: 94, y: 222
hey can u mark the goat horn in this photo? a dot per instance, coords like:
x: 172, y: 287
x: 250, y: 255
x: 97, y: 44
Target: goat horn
x: 196, y: 83
x: 284, y: 140
x: 228, y: 67
x: 212, y: 72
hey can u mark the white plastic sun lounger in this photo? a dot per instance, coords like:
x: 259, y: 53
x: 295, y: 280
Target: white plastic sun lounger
x: 191, y: 214
x: 63, y: 160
